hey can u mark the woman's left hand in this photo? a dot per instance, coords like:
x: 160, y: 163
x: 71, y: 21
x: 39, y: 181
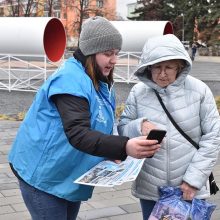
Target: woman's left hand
x: 189, y: 192
x: 146, y: 127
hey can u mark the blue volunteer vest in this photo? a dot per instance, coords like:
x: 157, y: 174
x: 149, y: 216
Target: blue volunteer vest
x: 41, y: 153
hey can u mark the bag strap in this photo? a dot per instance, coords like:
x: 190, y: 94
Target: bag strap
x: 174, y: 123
x: 213, y: 187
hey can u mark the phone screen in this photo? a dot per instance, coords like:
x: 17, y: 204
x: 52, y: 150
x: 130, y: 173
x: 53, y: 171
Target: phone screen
x: 156, y: 134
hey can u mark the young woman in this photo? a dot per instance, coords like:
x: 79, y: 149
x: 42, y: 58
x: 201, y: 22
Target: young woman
x: 68, y: 128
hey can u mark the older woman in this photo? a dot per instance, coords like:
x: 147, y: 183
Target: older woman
x: 164, y: 67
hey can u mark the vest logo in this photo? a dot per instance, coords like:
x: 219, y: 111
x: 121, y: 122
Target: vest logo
x: 101, y: 117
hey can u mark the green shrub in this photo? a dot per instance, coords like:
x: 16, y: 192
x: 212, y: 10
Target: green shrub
x: 16, y: 117
x: 119, y: 110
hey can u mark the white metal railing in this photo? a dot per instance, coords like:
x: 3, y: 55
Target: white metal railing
x: 28, y: 72
x: 126, y: 65
x: 24, y: 72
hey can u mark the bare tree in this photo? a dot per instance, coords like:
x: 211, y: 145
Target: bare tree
x: 28, y: 8
x: 50, y: 5
x: 84, y: 9
x: 24, y: 8
x: 14, y: 10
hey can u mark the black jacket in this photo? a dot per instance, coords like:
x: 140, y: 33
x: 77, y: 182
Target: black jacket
x: 75, y: 116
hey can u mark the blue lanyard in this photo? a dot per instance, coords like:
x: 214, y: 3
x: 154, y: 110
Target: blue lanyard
x: 103, y: 96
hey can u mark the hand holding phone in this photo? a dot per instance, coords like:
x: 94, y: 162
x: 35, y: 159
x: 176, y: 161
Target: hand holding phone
x: 156, y: 134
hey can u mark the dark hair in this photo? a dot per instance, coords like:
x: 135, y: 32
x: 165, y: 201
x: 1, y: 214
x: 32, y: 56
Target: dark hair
x: 147, y: 72
x: 95, y: 74
x: 181, y: 64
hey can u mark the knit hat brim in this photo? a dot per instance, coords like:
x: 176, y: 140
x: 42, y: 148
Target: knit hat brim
x: 101, y: 44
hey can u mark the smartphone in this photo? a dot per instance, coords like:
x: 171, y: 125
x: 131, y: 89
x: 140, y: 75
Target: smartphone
x: 156, y: 134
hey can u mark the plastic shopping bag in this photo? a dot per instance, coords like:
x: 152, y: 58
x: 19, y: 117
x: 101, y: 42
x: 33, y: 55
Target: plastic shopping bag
x: 171, y: 206
x: 201, y: 209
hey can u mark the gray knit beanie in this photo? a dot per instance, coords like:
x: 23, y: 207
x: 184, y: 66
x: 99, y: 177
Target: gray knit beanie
x: 98, y: 35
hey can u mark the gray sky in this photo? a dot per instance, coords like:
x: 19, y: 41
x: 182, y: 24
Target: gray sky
x: 122, y: 8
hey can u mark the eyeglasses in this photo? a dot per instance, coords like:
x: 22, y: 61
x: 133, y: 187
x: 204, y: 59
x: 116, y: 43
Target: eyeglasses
x: 167, y: 69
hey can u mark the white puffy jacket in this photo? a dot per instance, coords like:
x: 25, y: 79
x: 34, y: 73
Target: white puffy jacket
x: 192, y: 105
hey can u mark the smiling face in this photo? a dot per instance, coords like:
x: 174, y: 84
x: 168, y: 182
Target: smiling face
x: 106, y: 61
x: 165, y: 73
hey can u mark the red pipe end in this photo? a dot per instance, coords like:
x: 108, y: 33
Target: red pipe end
x: 54, y: 40
x: 168, y: 28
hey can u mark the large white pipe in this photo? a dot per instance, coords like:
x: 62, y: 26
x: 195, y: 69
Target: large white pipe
x: 32, y: 35
x: 135, y: 33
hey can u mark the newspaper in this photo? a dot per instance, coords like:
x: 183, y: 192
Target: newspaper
x: 108, y: 173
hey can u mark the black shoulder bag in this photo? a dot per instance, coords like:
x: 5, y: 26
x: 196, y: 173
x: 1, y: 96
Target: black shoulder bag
x: 213, y: 186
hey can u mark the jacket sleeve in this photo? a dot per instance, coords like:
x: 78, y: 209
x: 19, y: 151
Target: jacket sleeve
x: 129, y: 123
x: 205, y: 158
x: 75, y: 116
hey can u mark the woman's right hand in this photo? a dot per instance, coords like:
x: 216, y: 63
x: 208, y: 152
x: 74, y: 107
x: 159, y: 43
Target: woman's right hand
x: 141, y: 148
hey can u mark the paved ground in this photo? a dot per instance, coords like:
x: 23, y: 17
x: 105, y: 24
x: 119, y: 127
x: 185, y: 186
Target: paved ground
x: 107, y: 203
